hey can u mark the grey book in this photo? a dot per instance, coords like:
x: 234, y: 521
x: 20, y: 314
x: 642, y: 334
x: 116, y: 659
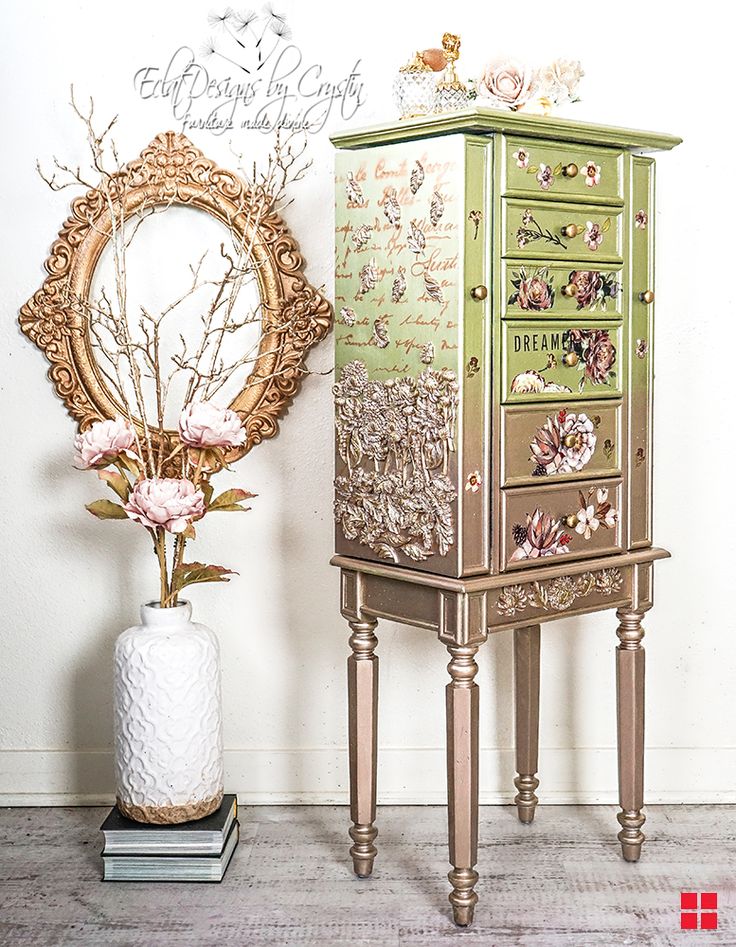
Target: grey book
x: 203, y: 837
x: 171, y: 867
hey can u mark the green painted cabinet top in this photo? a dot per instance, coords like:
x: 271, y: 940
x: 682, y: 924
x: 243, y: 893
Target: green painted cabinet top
x: 481, y: 120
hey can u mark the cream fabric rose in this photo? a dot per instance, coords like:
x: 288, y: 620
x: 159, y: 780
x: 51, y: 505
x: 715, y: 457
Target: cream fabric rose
x: 165, y: 502
x: 203, y: 424
x: 101, y: 443
x: 559, y: 81
x: 507, y: 83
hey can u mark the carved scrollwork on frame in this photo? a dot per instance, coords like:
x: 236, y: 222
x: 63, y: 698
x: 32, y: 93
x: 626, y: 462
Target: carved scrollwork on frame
x: 395, y: 439
x: 559, y: 594
x: 172, y: 171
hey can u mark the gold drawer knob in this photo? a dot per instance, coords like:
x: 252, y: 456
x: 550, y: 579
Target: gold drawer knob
x: 571, y: 521
x: 479, y: 292
x: 647, y: 296
x: 571, y: 230
x: 570, y: 440
x: 570, y: 290
x: 570, y: 170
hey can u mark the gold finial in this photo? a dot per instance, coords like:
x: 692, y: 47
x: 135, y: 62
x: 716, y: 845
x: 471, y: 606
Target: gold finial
x: 416, y: 64
x: 451, y: 46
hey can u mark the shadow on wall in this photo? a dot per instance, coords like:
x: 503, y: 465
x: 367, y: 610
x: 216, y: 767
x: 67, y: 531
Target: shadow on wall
x: 73, y: 533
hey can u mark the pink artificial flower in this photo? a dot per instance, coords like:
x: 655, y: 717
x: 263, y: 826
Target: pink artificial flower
x: 545, y: 176
x: 166, y: 502
x: 507, y: 84
x: 592, y: 173
x: 103, y: 442
x: 204, y: 424
x: 593, y: 236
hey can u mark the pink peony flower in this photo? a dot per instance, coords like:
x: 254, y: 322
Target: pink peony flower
x: 203, y: 424
x: 508, y: 84
x: 165, y: 502
x: 101, y: 443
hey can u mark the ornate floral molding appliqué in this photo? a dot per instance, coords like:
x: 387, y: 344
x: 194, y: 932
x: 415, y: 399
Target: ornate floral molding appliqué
x: 557, y: 595
x: 395, y: 438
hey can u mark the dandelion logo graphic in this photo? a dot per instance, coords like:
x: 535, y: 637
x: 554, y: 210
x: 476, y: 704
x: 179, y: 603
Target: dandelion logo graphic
x: 249, y: 73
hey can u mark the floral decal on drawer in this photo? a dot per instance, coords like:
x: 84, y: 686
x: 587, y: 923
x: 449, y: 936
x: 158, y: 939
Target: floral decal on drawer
x: 590, y: 352
x: 564, y: 444
x: 531, y: 230
x: 592, y: 289
x: 546, y: 173
x: 543, y: 535
x: 595, y: 512
x: 532, y: 292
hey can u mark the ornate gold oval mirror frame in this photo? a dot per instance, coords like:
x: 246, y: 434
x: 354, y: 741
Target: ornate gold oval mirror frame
x: 172, y: 171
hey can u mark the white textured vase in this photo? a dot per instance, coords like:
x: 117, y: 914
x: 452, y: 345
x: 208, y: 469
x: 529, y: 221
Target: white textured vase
x: 168, y: 718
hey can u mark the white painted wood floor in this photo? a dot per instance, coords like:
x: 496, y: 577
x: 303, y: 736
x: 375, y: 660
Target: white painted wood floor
x: 558, y: 882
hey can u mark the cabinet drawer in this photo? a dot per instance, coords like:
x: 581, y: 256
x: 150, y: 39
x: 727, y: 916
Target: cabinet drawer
x: 561, y: 361
x: 538, y: 290
x: 532, y: 229
x: 546, y: 523
x: 560, y: 442
x: 556, y: 170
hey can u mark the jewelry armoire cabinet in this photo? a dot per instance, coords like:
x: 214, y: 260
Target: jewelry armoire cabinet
x: 493, y: 410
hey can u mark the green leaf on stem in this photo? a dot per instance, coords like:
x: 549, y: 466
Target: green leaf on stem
x: 106, y: 510
x: 230, y: 500
x: 123, y: 462
x: 116, y: 482
x: 192, y: 573
x: 189, y: 533
x: 208, y: 490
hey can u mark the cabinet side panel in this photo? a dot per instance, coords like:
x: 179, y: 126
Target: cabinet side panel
x: 641, y: 243
x: 399, y: 228
x: 475, y: 364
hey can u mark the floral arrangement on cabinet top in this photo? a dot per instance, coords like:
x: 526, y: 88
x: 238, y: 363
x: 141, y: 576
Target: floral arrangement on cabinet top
x: 429, y: 83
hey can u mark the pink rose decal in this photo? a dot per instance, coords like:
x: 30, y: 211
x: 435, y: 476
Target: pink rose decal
x: 641, y: 219
x: 103, y: 442
x: 203, y: 424
x: 166, y: 502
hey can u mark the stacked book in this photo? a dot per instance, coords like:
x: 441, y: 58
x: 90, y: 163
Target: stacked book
x: 191, y: 851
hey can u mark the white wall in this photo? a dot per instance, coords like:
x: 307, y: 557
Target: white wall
x: 72, y: 583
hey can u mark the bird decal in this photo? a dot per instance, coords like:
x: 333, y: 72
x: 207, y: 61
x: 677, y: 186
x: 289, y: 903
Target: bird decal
x: 436, y: 208
x: 428, y: 353
x: 392, y: 208
x: 415, y: 240
x: 368, y: 277
x: 433, y: 288
x: 348, y: 316
x: 361, y: 236
x: 380, y: 332
x: 399, y: 285
x: 354, y: 192
x: 417, y: 177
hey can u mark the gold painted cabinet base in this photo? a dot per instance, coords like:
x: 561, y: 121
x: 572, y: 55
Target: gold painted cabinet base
x: 463, y: 613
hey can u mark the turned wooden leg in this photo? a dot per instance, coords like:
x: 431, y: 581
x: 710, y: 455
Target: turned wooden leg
x: 363, y: 739
x: 630, y: 718
x: 462, y: 780
x: 526, y: 692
